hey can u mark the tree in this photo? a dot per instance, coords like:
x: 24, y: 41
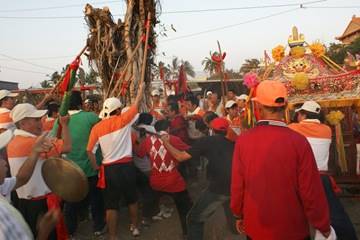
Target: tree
x: 175, y: 66
x: 338, y: 52
x: 48, y: 83
x: 249, y: 65
x: 209, y: 65
x: 188, y: 68
x: 91, y: 77
x: 45, y: 84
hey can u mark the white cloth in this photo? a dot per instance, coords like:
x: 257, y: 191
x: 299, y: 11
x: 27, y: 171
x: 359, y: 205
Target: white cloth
x: 12, y: 224
x: 7, y: 187
x: 319, y: 236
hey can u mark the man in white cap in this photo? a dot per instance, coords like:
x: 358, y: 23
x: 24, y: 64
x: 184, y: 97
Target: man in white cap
x: 7, y: 102
x: 13, y: 225
x: 34, y: 196
x: 233, y: 117
x: 157, y: 107
x: 241, y: 101
x: 117, y: 174
x: 319, y: 137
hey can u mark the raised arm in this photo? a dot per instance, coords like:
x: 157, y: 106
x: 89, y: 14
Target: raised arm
x: 140, y: 95
x: 177, y: 154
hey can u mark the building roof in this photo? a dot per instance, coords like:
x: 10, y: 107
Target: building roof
x: 353, y: 27
x: 9, y: 85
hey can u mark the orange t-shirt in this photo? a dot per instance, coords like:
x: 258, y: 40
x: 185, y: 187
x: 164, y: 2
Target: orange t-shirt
x: 47, y: 123
x: 235, y: 128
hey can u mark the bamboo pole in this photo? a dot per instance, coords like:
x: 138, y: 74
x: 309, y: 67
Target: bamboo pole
x: 62, y: 77
x: 124, y: 69
x: 143, y: 67
x: 221, y: 76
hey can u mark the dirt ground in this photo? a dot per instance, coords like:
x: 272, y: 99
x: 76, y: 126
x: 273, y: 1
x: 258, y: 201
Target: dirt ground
x: 215, y: 229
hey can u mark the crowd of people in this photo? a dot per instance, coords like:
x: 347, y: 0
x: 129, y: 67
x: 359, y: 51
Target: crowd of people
x: 271, y: 179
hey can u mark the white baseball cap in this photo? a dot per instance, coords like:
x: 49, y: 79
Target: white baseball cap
x: 25, y: 110
x: 110, y: 105
x: 155, y: 93
x: 209, y: 93
x: 242, y: 97
x: 5, y: 138
x: 5, y: 93
x: 230, y: 104
x: 310, y: 106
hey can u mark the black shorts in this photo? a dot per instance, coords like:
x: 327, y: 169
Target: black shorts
x: 120, y: 182
x: 32, y: 211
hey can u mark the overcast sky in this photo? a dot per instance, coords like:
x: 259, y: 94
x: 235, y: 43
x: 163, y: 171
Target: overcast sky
x: 51, y: 42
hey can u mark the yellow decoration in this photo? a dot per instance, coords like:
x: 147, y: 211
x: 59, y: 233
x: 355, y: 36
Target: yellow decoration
x: 297, y: 52
x: 334, y: 117
x: 278, y: 53
x: 300, y: 81
x: 317, y: 49
x: 296, y: 39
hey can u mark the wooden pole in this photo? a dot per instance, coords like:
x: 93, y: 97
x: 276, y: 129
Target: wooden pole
x: 143, y: 68
x: 62, y: 77
x: 124, y: 70
x: 221, y: 76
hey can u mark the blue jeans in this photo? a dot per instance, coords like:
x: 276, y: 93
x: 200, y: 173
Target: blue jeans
x: 204, y: 207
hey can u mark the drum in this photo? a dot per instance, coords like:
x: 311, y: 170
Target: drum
x: 65, y: 179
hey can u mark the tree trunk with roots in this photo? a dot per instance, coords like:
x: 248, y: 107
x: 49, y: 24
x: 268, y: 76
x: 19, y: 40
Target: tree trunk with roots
x: 116, y: 50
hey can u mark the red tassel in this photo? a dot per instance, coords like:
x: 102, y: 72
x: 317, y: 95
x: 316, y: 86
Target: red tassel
x: 53, y: 202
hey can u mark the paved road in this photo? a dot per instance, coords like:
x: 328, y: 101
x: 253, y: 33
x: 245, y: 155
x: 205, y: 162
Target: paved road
x: 216, y: 228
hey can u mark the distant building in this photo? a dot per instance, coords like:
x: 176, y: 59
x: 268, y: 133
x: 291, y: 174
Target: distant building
x: 9, y: 85
x: 351, y: 32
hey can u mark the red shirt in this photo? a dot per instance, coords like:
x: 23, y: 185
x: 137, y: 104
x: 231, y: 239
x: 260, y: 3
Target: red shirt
x: 164, y: 176
x: 178, y: 127
x: 276, y: 186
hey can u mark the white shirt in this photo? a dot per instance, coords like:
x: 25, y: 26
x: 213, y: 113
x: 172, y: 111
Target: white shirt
x: 7, y: 187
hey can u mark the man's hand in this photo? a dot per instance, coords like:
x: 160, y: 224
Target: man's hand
x: 165, y: 137
x: 239, y: 224
x: 42, y: 144
x: 64, y: 120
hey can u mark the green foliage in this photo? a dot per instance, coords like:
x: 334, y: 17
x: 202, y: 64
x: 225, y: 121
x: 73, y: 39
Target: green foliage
x: 337, y: 52
x: 249, y: 65
x: 209, y: 64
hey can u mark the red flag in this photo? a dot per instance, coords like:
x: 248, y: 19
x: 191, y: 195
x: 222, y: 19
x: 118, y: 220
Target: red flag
x: 67, y: 76
x: 182, y: 81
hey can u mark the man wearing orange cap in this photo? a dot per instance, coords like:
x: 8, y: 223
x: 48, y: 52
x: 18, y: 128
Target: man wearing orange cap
x: 276, y: 191
x: 218, y: 150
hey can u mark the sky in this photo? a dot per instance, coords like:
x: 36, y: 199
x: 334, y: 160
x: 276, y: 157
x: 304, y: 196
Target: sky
x: 32, y: 49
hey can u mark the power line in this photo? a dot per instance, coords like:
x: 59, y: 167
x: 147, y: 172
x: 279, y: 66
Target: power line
x: 178, y: 11
x: 241, y: 8
x: 232, y: 25
x: 22, y: 70
x: 42, y: 58
x: 336, y: 7
x: 55, y: 7
x: 27, y: 62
